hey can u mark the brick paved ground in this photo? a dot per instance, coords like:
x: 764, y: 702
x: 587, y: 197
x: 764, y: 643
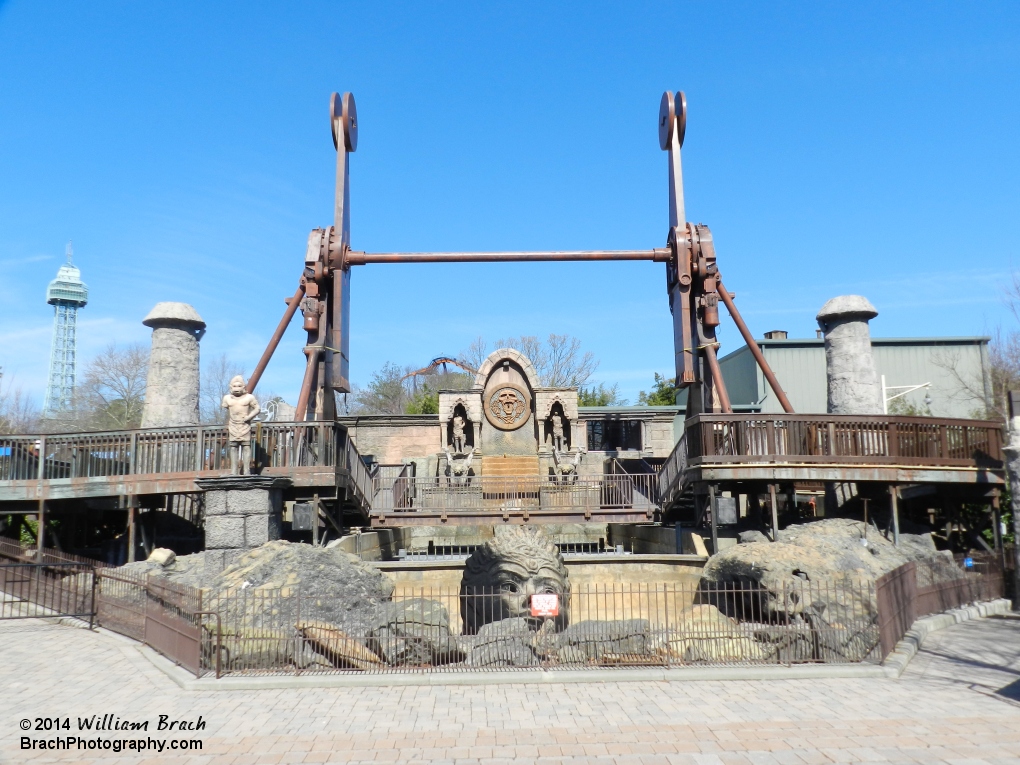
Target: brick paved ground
x: 958, y: 702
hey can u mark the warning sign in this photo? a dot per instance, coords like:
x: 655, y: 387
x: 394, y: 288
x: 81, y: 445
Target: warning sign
x: 545, y: 604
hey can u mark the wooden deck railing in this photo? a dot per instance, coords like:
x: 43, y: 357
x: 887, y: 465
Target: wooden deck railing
x: 920, y: 441
x: 166, y: 451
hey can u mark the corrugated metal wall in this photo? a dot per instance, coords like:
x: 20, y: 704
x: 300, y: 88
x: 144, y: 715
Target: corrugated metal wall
x: 953, y: 366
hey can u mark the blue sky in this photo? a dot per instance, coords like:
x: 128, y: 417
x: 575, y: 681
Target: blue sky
x: 833, y: 148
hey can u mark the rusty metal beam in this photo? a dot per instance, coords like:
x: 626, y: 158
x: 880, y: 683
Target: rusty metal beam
x: 717, y: 379
x: 355, y: 258
x: 755, y: 350
x: 292, y: 306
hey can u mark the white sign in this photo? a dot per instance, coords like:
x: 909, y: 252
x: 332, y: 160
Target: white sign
x: 545, y: 604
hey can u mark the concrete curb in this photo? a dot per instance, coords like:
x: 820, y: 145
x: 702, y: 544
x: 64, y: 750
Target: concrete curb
x: 911, y: 643
x: 189, y: 682
x: 892, y: 667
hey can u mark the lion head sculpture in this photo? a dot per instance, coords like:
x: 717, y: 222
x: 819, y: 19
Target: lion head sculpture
x: 501, y: 576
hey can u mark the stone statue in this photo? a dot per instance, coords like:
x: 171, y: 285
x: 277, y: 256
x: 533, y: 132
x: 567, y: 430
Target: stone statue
x: 557, y: 431
x: 458, y: 470
x: 242, y: 407
x: 501, y: 576
x: 459, y: 441
x: 566, y: 470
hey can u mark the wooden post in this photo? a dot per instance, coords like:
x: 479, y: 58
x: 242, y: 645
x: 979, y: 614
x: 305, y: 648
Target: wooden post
x: 894, y: 501
x: 315, y: 520
x: 996, y: 521
x: 714, y: 510
x: 865, y: 501
x: 40, y: 534
x: 131, y: 529
x: 775, y: 512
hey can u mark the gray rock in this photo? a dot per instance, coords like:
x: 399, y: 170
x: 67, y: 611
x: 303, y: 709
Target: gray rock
x: 224, y: 531
x: 414, y: 632
x: 505, y: 643
x: 593, y: 640
x: 820, y: 570
x: 746, y: 537
x: 162, y: 555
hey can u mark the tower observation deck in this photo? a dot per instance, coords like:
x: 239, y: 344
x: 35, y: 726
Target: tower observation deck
x: 67, y: 293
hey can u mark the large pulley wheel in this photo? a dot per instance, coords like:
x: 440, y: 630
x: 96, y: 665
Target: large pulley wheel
x: 343, y: 118
x: 672, y: 117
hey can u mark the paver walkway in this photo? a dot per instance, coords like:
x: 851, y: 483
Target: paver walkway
x: 958, y: 702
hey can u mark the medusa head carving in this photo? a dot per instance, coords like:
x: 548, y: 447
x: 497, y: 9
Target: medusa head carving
x: 501, y: 576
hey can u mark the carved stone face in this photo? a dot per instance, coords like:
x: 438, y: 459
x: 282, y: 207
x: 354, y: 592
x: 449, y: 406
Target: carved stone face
x: 237, y: 386
x: 501, y: 576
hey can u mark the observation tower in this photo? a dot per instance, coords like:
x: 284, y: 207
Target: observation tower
x: 67, y: 293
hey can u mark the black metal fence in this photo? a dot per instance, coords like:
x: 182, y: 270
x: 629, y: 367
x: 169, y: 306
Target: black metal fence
x: 33, y: 590
x: 614, y: 625
x: 291, y: 630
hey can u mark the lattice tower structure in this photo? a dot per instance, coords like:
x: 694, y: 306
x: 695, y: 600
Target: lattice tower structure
x: 67, y: 293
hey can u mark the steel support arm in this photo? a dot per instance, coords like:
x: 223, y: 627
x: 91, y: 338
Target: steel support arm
x: 354, y: 258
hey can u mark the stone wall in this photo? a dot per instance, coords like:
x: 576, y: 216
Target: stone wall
x: 392, y: 439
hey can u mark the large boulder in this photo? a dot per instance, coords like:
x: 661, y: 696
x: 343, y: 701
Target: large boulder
x: 504, y: 643
x: 414, y: 632
x: 821, y: 570
x: 600, y: 641
x: 706, y: 635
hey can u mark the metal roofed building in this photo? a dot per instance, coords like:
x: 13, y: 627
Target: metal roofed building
x: 957, y: 369
x: 67, y: 293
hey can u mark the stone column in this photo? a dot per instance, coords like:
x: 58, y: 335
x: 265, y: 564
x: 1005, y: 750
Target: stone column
x: 172, y: 386
x: 241, y: 513
x: 1012, y: 455
x: 853, y: 383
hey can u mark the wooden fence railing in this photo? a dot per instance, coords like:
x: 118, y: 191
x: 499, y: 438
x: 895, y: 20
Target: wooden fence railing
x: 846, y: 439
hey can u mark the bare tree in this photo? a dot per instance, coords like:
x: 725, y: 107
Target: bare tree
x: 1003, y: 363
x: 475, y: 354
x: 385, y: 394
x: 558, y: 361
x: 112, y: 392
x: 216, y: 376
x: 18, y: 413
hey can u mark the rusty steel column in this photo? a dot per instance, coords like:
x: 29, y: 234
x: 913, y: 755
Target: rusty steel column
x: 131, y: 530
x: 755, y: 350
x: 40, y: 532
x: 894, y: 496
x: 720, y: 385
x: 775, y: 512
x: 292, y: 306
x: 301, y: 413
x: 714, y: 511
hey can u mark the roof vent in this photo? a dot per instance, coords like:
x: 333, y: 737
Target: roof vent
x: 776, y: 334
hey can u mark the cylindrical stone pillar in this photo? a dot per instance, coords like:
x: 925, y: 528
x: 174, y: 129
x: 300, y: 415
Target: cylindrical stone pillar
x: 1012, y: 454
x: 172, y: 386
x: 853, y: 384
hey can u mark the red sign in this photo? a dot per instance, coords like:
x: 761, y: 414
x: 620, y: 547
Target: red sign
x: 545, y: 604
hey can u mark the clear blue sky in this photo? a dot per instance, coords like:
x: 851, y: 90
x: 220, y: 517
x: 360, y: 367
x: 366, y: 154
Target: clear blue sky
x: 185, y: 148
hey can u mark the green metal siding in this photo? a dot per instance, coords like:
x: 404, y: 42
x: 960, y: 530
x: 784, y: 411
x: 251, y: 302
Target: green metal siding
x: 956, y: 367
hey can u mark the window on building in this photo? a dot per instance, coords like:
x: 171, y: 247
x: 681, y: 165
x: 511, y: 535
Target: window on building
x: 613, y: 435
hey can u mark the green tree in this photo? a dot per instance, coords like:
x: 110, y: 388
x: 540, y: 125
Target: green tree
x: 662, y: 394
x: 424, y: 401
x: 600, y: 395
